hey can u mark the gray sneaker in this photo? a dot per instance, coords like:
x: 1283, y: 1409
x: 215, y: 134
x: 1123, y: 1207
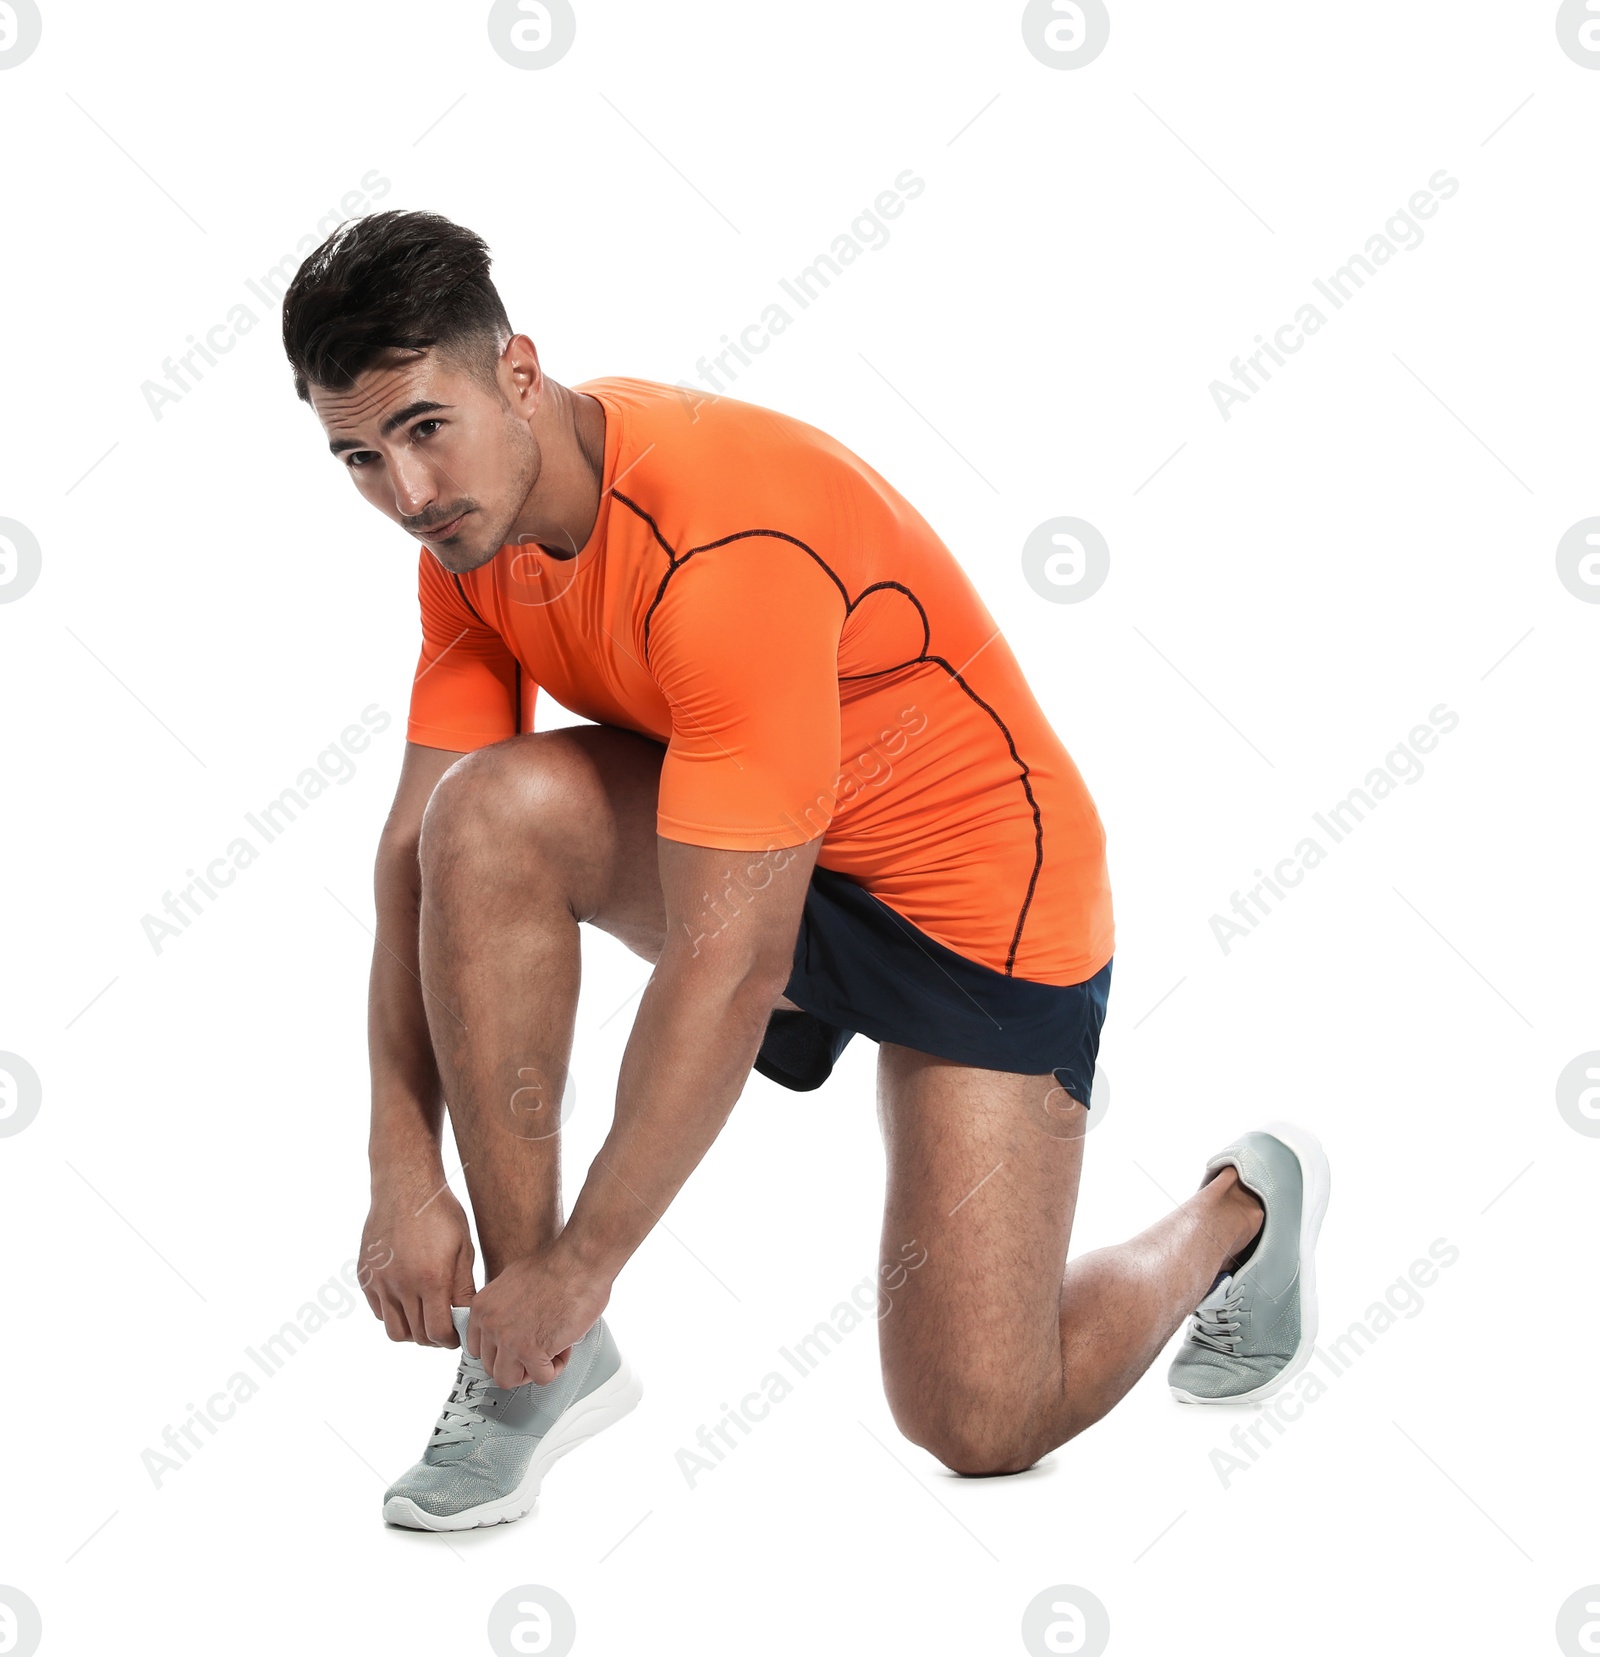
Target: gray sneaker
x: 492, y: 1445
x: 1256, y: 1328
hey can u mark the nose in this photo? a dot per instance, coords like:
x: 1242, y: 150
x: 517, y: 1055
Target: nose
x: 414, y: 487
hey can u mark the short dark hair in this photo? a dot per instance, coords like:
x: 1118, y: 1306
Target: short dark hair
x: 392, y: 281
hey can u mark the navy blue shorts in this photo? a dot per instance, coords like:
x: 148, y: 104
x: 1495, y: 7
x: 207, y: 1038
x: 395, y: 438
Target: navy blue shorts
x: 861, y: 968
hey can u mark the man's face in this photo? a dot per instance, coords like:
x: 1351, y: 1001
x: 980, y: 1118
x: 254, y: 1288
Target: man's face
x: 437, y: 451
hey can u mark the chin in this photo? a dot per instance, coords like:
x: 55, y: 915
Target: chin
x: 459, y: 556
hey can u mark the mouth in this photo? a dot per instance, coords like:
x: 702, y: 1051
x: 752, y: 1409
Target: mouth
x: 443, y: 532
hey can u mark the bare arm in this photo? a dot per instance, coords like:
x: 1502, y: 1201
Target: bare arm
x: 416, y: 1242
x: 694, y: 1040
x: 695, y: 1037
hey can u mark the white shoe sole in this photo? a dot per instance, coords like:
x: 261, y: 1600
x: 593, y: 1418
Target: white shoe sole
x: 1314, y: 1204
x: 609, y: 1402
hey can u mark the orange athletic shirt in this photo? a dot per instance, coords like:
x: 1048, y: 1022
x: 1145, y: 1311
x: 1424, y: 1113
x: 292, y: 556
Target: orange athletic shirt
x: 759, y: 599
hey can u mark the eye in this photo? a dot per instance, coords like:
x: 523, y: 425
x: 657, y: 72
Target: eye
x: 357, y: 459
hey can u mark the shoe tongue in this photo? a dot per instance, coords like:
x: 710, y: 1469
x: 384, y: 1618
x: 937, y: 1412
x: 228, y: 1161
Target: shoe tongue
x: 1219, y: 1290
x: 441, y: 1455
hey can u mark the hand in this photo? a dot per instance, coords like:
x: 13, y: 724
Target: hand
x: 417, y: 1262
x: 525, y: 1321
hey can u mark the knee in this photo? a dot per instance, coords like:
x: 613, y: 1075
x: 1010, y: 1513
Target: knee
x: 501, y: 799
x: 976, y: 1438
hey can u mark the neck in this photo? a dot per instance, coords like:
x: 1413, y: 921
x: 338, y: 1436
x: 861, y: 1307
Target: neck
x: 571, y: 431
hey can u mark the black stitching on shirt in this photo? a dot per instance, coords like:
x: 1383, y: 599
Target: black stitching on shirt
x: 675, y: 562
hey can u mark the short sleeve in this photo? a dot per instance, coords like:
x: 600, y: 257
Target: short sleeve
x: 468, y: 685
x: 745, y: 646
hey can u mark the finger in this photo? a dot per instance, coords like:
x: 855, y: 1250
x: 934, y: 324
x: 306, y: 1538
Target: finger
x: 394, y: 1320
x: 475, y: 1334
x: 419, y: 1328
x: 374, y: 1302
x: 508, y: 1371
x: 436, y: 1318
x: 462, y: 1291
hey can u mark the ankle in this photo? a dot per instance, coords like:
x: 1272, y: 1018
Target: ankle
x: 1242, y: 1214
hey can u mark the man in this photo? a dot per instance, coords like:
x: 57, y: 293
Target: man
x: 819, y: 795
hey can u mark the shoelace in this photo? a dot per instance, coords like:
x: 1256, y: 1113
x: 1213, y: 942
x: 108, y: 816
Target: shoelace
x: 460, y: 1418
x: 1217, y: 1326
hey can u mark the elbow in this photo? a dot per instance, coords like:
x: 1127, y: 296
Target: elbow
x: 398, y: 865
x: 750, y: 1001
x: 766, y: 986
x: 766, y: 979
x: 724, y: 973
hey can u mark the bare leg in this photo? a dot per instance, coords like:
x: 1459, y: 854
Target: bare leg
x: 994, y: 1351
x: 521, y: 842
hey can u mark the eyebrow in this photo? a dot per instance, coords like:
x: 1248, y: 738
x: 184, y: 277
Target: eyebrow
x: 395, y: 420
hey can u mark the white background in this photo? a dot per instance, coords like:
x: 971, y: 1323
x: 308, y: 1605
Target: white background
x: 1364, y: 540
